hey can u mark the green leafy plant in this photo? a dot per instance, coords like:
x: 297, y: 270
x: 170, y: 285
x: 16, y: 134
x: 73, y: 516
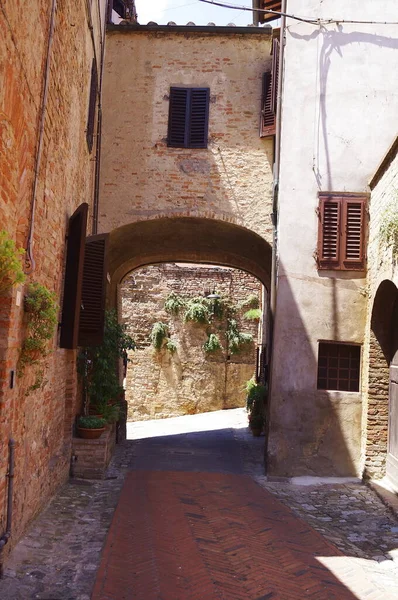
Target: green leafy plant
x: 42, y: 317
x: 389, y: 227
x: 97, y: 365
x: 251, y: 301
x: 91, y: 423
x: 11, y: 272
x: 235, y: 338
x: 174, y: 303
x: 253, y: 314
x: 197, y: 310
x: 212, y: 344
x: 171, y: 346
x: 159, y: 333
x: 255, y: 403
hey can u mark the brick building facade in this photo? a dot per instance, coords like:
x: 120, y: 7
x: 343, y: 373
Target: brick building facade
x: 48, y: 56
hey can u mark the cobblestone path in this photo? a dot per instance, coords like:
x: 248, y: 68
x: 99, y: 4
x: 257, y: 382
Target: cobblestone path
x: 196, y: 518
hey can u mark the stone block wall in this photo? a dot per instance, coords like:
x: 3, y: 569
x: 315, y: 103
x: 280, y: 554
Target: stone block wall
x: 382, y: 276
x: 40, y: 421
x: 161, y: 384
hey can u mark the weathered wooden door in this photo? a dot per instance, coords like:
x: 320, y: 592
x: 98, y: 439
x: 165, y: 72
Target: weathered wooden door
x: 392, y: 455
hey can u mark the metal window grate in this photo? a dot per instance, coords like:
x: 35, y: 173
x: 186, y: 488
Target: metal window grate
x: 338, y: 367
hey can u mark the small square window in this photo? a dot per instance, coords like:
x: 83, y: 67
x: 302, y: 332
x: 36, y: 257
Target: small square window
x: 338, y: 367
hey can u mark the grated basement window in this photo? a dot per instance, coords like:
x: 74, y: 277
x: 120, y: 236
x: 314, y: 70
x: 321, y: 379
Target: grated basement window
x: 188, y: 117
x: 338, y: 367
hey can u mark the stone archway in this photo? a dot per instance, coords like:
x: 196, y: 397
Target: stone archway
x: 186, y: 239
x: 381, y: 356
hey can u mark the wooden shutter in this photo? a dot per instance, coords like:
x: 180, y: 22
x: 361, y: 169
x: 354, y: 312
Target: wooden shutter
x: 91, y: 106
x: 274, y: 75
x: 73, y: 277
x: 341, y: 232
x: 92, y: 313
x: 198, y: 118
x: 353, y: 233
x: 178, y: 117
x: 188, y: 117
x: 329, y: 232
x: 267, y: 117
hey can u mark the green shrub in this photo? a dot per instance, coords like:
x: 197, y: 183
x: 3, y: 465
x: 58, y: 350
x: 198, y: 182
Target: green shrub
x: 159, y: 333
x: 256, y: 394
x: 212, y: 344
x: 251, y: 301
x: 91, y: 423
x: 171, y: 346
x: 11, y: 272
x: 174, y: 303
x: 236, y: 339
x: 253, y: 314
x: 42, y: 318
x: 197, y: 310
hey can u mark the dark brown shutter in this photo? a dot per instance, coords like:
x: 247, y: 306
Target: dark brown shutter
x: 199, y: 118
x: 267, y: 117
x: 92, y: 312
x: 178, y: 117
x: 91, y: 106
x: 275, y: 75
x: 354, y: 233
x: 73, y: 277
x: 342, y: 232
x: 329, y: 232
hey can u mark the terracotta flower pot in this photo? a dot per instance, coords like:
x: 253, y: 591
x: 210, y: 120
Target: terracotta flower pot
x: 90, y: 434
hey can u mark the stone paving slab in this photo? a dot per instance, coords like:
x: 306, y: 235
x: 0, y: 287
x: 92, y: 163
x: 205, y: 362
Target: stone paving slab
x: 55, y: 562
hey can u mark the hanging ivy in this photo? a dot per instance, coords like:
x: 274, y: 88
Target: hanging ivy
x: 212, y: 344
x: 11, y: 272
x: 235, y: 338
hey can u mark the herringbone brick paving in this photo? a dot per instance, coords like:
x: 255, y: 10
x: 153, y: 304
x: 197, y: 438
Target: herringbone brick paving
x: 186, y: 536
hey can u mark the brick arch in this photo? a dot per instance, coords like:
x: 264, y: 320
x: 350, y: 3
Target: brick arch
x: 380, y: 354
x: 187, y: 239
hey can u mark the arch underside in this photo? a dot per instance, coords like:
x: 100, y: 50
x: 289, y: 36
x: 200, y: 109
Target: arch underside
x: 187, y: 239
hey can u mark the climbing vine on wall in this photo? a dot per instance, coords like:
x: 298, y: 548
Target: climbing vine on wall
x: 388, y: 234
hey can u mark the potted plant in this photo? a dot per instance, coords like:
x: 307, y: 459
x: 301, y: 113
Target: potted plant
x: 98, y: 367
x: 90, y: 428
x: 255, y: 405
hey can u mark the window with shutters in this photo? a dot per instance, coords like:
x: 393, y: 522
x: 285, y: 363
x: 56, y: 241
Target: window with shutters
x: 269, y: 97
x: 342, y: 232
x: 338, y: 367
x: 188, y: 117
x: 91, y: 106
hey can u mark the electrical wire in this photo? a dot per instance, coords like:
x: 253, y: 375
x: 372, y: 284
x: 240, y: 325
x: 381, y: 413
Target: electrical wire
x: 312, y: 21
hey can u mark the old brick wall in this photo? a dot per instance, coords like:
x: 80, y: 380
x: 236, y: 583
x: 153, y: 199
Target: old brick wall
x: 381, y: 268
x: 143, y: 179
x: 40, y: 421
x: 162, y: 384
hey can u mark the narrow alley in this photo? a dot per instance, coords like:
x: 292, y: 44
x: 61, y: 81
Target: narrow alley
x: 196, y: 518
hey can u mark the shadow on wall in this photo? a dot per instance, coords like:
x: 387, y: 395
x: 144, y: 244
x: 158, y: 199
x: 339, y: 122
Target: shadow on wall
x: 334, y: 42
x: 311, y: 431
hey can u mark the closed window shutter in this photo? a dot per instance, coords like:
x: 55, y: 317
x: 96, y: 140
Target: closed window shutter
x: 329, y: 233
x: 354, y: 217
x: 188, y: 117
x: 275, y: 75
x: 178, y: 117
x: 198, y: 122
x: 92, y: 315
x: 342, y: 231
x: 267, y: 117
x: 73, y: 277
x: 91, y: 106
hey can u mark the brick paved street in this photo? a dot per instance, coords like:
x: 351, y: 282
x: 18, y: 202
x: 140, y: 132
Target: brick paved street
x: 196, y: 519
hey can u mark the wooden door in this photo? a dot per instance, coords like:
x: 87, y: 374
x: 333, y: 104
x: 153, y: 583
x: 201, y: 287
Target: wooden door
x: 392, y: 455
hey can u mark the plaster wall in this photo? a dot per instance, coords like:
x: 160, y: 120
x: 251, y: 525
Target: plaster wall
x: 143, y: 179
x: 160, y: 384
x: 40, y: 421
x: 339, y: 101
